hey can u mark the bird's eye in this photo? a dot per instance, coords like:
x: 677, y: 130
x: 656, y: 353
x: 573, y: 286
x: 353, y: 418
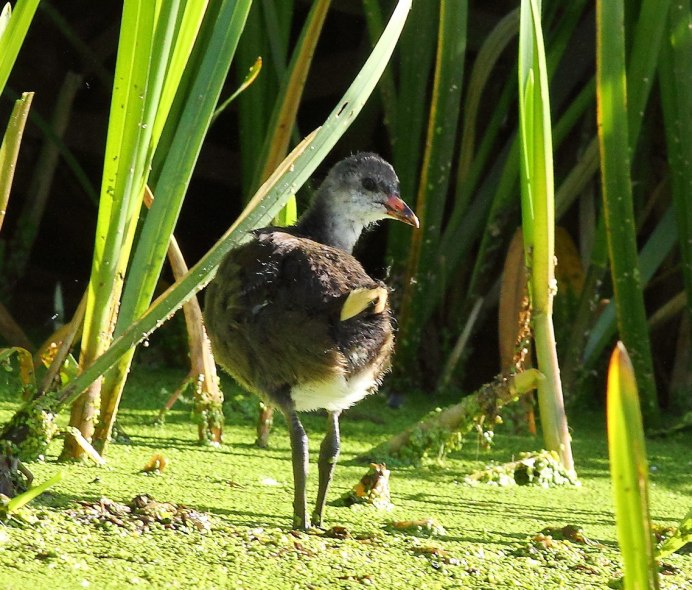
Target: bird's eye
x: 369, y: 184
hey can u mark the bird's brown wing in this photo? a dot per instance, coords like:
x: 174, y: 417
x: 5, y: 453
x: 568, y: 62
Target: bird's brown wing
x: 273, y: 314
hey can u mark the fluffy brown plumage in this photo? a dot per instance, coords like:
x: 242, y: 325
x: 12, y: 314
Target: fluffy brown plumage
x: 274, y: 311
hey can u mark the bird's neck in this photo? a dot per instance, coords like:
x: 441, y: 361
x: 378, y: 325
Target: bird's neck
x: 323, y: 224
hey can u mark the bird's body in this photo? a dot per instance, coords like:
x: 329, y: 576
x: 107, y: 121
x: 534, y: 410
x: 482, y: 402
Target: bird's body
x: 279, y: 297
x: 294, y: 317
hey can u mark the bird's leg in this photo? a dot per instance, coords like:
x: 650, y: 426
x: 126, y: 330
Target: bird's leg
x: 329, y: 453
x: 299, y: 455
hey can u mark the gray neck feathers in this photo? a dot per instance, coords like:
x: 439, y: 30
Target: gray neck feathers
x: 328, y: 224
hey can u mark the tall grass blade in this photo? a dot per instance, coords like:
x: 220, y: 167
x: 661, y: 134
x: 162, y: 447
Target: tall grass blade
x: 181, y: 157
x: 171, y: 187
x: 123, y: 150
x: 388, y: 91
x: 278, y: 22
x: 642, y: 60
x: 124, y: 163
x: 494, y: 45
x: 155, y: 41
x: 436, y: 170
x: 282, y: 126
x: 646, y: 40
x: 485, y: 198
x: 9, y: 150
x: 5, y: 16
x: 16, y: 23
x: 538, y: 223
x: 416, y: 52
x: 182, y: 38
x: 629, y: 473
x: 283, y: 119
x: 255, y: 106
x: 676, y: 89
x: 655, y: 251
x: 611, y: 82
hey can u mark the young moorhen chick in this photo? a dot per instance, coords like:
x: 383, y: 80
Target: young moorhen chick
x: 294, y: 318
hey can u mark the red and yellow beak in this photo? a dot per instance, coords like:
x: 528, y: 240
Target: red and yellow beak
x: 397, y: 209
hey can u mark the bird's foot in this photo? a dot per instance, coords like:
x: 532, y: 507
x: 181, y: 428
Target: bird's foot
x: 301, y: 523
x: 262, y: 442
x: 316, y: 520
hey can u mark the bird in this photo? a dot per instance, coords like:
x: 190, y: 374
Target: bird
x: 293, y: 317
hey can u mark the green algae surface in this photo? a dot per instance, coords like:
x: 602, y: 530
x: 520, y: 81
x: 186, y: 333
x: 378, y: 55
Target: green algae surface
x: 222, y: 515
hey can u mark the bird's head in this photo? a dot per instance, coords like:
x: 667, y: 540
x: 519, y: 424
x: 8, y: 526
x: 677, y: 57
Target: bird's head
x: 364, y: 188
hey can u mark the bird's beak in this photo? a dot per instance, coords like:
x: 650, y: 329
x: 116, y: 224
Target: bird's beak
x: 397, y: 209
